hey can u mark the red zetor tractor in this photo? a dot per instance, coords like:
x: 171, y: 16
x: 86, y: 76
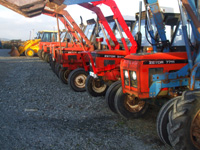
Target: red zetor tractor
x: 107, y: 32
x: 64, y: 57
x: 44, y: 52
x: 155, y: 78
x: 105, y: 64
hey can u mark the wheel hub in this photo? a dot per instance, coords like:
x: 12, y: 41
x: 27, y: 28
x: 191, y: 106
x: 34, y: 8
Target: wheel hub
x: 66, y: 74
x: 97, y: 86
x: 133, y: 104
x: 30, y: 53
x: 195, y: 130
x: 80, y: 80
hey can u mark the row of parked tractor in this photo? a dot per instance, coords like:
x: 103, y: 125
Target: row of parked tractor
x: 134, y: 63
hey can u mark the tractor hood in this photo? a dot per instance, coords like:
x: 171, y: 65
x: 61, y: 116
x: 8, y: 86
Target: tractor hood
x: 31, y: 8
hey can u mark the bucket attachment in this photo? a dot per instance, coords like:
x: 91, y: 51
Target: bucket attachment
x: 14, y: 52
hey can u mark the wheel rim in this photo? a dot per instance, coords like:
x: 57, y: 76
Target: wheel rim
x: 195, y: 130
x: 66, y: 74
x: 97, y: 87
x: 133, y: 104
x: 42, y: 54
x: 80, y: 81
x: 30, y: 53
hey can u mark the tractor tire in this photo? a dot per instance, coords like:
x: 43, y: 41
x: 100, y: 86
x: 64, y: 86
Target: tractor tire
x: 63, y: 75
x: 57, y: 69
x: 46, y: 57
x: 94, y: 87
x: 50, y: 58
x: 29, y: 53
x: 184, y: 122
x: 110, y: 95
x: 39, y: 53
x: 163, y: 120
x: 135, y: 109
x: 77, y: 79
x: 52, y: 64
x: 42, y: 55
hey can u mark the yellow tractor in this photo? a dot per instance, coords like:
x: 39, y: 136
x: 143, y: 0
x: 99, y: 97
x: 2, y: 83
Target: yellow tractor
x: 31, y: 47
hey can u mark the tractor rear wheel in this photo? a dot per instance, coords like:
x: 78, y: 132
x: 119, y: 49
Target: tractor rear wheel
x: 29, y: 52
x: 163, y: 120
x: 129, y: 107
x: 184, y: 122
x: 63, y: 75
x: 46, y: 57
x: 110, y: 95
x: 95, y: 87
x: 77, y: 79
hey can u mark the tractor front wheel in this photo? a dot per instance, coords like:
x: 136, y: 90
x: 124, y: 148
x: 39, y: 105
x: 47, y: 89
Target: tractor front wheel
x: 52, y: 64
x: 29, y: 52
x: 57, y: 69
x: 63, y: 75
x: 110, y: 95
x: 39, y: 53
x: 77, y: 79
x: 42, y: 54
x: 184, y: 122
x: 46, y: 57
x: 129, y: 107
x: 163, y: 120
x: 95, y: 87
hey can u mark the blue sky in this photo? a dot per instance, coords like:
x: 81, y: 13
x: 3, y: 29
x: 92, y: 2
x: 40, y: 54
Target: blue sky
x: 15, y: 26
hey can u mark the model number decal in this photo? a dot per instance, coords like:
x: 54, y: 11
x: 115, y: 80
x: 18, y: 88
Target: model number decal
x: 109, y: 56
x: 158, y: 62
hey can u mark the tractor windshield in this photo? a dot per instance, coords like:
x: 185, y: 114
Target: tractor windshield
x: 178, y: 39
x: 39, y: 35
x: 146, y: 38
x: 49, y: 36
x: 62, y: 36
x: 143, y: 31
x: 112, y: 24
x: 117, y: 34
x: 89, y: 30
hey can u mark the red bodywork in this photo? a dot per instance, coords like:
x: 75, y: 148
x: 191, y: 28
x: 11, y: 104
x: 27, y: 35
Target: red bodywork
x: 106, y: 64
x: 142, y: 64
x: 67, y: 45
x: 79, y: 55
x: 108, y: 68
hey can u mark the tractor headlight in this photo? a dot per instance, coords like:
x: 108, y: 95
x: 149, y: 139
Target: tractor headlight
x: 133, y: 77
x: 126, y: 77
x: 126, y: 74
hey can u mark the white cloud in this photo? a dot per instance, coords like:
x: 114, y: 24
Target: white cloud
x: 15, y: 26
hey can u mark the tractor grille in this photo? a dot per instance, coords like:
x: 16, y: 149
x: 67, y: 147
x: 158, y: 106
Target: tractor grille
x: 109, y: 62
x: 72, y: 57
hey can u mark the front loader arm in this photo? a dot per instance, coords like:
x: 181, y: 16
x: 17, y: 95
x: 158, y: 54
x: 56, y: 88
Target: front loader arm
x: 118, y: 16
x: 76, y: 28
x: 61, y: 18
x: 103, y: 21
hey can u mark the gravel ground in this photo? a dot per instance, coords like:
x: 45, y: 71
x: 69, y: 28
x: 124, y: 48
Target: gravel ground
x: 37, y: 111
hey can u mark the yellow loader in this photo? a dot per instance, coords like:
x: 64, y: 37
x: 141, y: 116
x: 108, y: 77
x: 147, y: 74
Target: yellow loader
x: 31, y: 47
